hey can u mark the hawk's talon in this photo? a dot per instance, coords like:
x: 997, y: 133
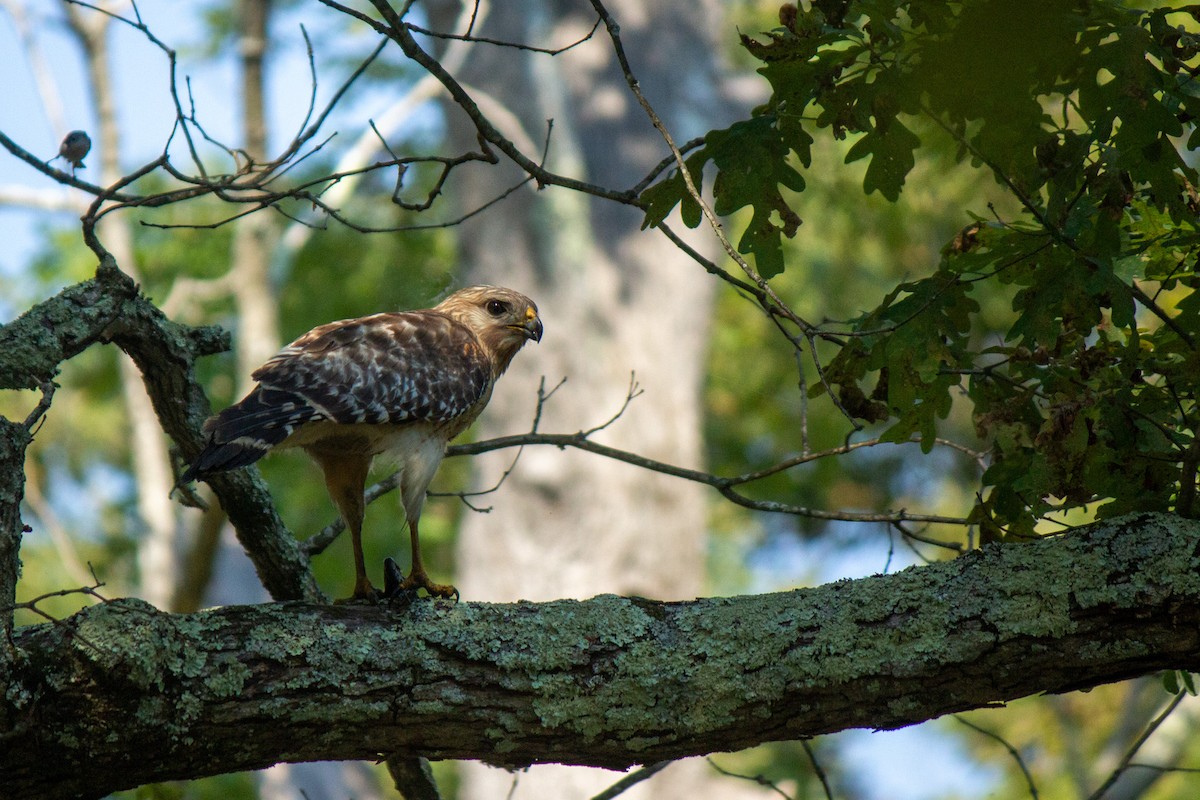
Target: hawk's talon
x: 419, y: 580
x: 364, y: 592
x: 393, y: 580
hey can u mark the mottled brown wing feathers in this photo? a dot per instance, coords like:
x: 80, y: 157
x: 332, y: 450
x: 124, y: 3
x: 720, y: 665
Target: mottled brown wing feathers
x: 387, y: 368
x: 245, y: 432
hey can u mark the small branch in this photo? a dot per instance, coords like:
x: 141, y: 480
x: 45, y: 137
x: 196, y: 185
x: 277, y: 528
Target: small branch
x: 108, y: 308
x: 817, y: 769
x: 467, y: 37
x: 65, y: 178
x: 401, y: 33
x: 34, y: 421
x: 664, y: 165
x: 756, y: 779
x: 32, y: 605
x: 465, y: 496
x: 724, y: 485
x: 715, y: 224
x: 632, y: 779
x: 1012, y: 751
x: 1137, y: 745
x: 413, y: 777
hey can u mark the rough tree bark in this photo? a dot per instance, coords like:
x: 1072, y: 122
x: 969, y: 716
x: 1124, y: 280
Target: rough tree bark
x: 14, y: 439
x: 108, y: 308
x: 121, y: 694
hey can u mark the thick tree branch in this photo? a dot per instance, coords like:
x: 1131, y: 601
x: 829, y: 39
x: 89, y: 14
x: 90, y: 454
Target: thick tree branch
x: 608, y: 682
x: 108, y: 308
x: 14, y: 439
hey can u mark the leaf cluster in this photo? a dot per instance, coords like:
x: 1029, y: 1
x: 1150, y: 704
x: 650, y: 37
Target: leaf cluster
x: 1083, y: 114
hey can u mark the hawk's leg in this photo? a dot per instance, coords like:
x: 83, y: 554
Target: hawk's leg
x: 417, y: 579
x: 346, y: 478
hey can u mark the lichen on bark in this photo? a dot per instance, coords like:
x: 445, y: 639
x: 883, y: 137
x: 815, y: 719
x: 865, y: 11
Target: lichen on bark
x: 610, y: 681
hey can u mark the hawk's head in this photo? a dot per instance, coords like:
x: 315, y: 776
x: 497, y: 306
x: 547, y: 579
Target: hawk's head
x: 501, y: 318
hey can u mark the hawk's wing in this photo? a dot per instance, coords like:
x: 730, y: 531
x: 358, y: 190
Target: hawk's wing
x: 386, y: 368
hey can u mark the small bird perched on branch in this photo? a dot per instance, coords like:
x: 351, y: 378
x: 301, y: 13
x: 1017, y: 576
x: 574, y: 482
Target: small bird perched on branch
x: 395, y: 384
x: 75, y: 145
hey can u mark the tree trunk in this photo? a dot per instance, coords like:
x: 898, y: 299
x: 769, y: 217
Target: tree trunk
x: 121, y: 694
x: 159, y: 554
x: 617, y: 302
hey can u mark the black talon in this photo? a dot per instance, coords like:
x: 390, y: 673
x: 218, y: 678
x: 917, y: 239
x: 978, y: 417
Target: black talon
x: 393, y: 579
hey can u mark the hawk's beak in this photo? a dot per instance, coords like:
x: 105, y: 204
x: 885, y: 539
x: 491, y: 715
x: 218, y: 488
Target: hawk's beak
x: 532, y: 326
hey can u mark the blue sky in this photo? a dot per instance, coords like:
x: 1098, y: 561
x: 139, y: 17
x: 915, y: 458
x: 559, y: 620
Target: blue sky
x: 144, y: 108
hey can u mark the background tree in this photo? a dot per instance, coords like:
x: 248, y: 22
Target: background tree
x: 1049, y: 346
x: 623, y: 312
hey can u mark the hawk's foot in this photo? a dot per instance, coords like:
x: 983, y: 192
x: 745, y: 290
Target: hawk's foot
x: 419, y: 580
x: 364, y: 592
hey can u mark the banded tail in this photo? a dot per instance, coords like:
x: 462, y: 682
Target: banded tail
x: 246, y: 431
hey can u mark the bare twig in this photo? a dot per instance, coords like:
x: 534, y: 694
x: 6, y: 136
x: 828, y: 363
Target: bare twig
x: 1012, y: 751
x: 34, y: 420
x: 325, y: 537
x: 401, y: 32
x: 759, y: 779
x: 31, y: 605
x: 614, y: 33
x: 817, y: 769
x: 1137, y: 745
x: 632, y: 779
x: 467, y: 37
x: 724, y: 485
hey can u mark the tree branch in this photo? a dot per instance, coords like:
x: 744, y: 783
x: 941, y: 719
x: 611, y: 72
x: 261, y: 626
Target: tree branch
x: 14, y: 439
x: 608, y: 682
x: 108, y: 308
x: 400, y: 32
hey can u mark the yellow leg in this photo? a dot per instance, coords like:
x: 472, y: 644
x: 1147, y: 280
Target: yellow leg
x: 417, y: 579
x: 346, y: 478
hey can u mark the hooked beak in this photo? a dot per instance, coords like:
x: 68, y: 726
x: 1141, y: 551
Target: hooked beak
x: 531, y: 328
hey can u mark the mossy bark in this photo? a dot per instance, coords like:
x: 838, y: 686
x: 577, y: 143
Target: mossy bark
x: 121, y: 694
x: 109, y: 308
x: 14, y: 439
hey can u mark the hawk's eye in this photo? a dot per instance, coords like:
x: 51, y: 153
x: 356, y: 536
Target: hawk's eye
x: 497, y: 308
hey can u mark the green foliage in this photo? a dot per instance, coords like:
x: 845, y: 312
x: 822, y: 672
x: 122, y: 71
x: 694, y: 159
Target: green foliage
x: 1177, y: 681
x: 1082, y: 115
x: 752, y: 162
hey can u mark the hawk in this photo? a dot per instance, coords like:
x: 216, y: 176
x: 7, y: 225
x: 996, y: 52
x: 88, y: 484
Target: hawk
x: 400, y: 385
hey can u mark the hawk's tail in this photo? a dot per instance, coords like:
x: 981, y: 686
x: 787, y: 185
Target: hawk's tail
x: 245, y: 432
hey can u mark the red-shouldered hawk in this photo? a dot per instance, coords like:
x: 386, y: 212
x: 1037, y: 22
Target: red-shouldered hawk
x: 396, y: 384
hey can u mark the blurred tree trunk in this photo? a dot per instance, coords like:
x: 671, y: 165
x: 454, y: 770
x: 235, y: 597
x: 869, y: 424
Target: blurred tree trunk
x: 255, y: 236
x: 254, y: 241
x: 159, y: 563
x: 616, y: 301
